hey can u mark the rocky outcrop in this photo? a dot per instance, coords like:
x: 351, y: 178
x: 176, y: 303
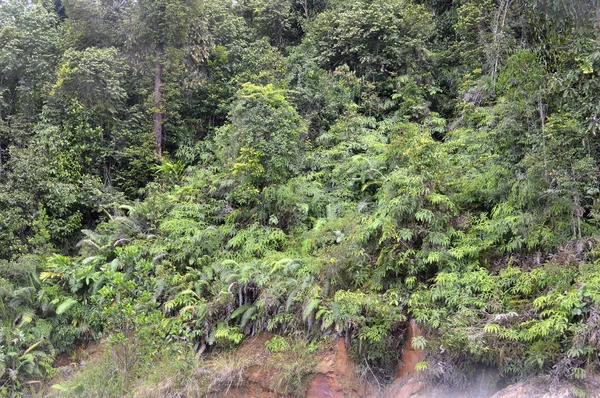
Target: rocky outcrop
x: 249, y: 373
x: 412, y: 387
x: 540, y: 388
x: 335, y: 377
x: 410, y: 355
x: 403, y: 388
x: 256, y: 385
x: 532, y: 389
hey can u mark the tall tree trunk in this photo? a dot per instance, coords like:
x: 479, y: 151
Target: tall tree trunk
x: 598, y: 21
x: 158, y: 105
x: 306, y: 8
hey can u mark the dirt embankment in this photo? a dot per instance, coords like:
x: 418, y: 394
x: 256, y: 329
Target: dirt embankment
x: 335, y: 377
x: 252, y: 371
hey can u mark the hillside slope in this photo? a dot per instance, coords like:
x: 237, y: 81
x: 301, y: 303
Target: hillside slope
x: 178, y: 176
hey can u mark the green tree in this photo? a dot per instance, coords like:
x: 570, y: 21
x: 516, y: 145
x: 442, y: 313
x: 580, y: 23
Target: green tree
x: 374, y: 38
x: 30, y: 45
x: 163, y: 25
x: 103, y: 23
x: 263, y: 139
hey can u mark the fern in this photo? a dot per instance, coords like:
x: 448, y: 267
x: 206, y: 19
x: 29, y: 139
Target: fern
x: 239, y: 311
x: 65, y: 306
x: 309, y: 308
x: 247, y: 316
x: 290, y: 300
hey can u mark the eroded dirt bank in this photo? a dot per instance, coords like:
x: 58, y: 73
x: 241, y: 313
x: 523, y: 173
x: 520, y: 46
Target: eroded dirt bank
x: 249, y: 372
x: 335, y: 376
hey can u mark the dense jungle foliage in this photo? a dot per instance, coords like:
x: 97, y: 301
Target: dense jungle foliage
x: 177, y: 175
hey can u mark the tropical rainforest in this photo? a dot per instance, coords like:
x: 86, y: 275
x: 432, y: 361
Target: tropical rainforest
x: 179, y: 175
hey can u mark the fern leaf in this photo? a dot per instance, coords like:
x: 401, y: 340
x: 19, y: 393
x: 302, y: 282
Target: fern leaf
x: 32, y: 347
x: 239, y: 311
x: 290, y: 300
x: 308, y: 310
x: 64, y: 307
x: 247, y: 315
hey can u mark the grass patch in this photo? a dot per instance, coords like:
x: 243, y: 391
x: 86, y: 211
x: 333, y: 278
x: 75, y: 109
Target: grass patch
x: 293, y: 365
x: 286, y: 364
